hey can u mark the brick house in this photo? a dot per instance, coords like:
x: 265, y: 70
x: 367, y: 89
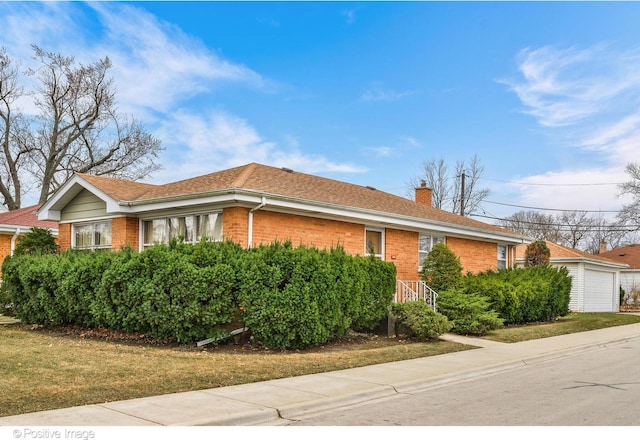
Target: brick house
x: 255, y: 204
x: 14, y: 224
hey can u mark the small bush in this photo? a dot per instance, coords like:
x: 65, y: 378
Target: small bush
x: 537, y: 254
x: 469, y: 313
x: 36, y: 241
x: 417, y: 319
x: 442, y: 269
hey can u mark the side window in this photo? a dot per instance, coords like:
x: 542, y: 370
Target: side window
x: 502, y: 256
x: 373, y: 242
x: 426, y: 242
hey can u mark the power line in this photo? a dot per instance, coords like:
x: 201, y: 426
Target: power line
x: 546, y: 209
x: 609, y: 228
x: 551, y: 184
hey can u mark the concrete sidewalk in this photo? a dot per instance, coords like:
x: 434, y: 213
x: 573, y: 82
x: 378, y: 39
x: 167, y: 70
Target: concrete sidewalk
x: 265, y: 403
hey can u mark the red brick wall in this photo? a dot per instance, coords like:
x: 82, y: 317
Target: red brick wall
x: 401, y: 248
x: 125, y: 232
x: 64, y: 236
x: 270, y: 226
x: 235, y: 224
x: 5, y: 248
x: 475, y: 256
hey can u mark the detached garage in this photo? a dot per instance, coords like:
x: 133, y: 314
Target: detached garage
x: 595, y: 279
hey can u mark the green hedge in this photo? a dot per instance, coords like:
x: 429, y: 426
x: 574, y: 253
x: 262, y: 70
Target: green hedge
x: 521, y: 295
x: 469, y: 313
x: 289, y: 297
x: 417, y: 319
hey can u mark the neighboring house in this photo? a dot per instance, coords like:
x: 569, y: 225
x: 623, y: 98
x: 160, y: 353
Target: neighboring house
x: 629, y: 277
x: 255, y: 204
x: 14, y: 224
x: 595, y: 279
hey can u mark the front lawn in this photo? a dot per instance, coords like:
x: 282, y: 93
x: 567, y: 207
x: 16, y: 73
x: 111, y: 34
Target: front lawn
x: 49, y: 369
x: 572, y: 323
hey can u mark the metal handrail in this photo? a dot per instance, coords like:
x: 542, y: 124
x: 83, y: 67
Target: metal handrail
x: 414, y: 291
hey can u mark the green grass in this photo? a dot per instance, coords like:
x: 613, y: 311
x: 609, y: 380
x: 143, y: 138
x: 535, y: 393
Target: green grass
x: 573, y: 323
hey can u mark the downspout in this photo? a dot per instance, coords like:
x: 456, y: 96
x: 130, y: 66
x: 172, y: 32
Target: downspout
x: 250, y: 231
x: 13, y: 240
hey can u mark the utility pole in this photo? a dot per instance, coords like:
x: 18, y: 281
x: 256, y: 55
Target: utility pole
x: 462, y: 194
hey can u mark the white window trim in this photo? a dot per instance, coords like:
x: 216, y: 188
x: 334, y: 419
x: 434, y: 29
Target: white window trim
x: 382, y: 240
x: 93, y: 246
x: 506, y: 256
x: 142, y: 221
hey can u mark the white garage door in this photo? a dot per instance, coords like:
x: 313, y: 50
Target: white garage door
x: 599, y: 291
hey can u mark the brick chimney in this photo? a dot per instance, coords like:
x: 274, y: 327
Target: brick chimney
x: 603, y: 247
x: 423, y: 194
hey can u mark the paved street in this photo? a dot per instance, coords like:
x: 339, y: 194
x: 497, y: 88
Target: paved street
x: 596, y: 387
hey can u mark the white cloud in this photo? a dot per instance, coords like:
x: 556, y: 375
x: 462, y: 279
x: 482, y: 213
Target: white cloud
x: 157, y: 65
x: 562, y: 87
x: 200, y: 144
x: 378, y: 93
x: 350, y: 15
x: 381, y: 151
x: 157, y: 69
x: 594, y: 189
x: 587, y: 100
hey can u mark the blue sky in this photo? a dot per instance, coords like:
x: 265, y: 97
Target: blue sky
x: 546, y: 94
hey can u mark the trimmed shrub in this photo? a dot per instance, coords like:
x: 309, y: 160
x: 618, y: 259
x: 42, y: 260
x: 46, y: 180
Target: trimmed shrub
x: 442, y: 269
x: 300, y: 297
x: 469, y: 313
x: 288, y: 297
x: 417, y: 319
x: 36, y: 241
x: 521, y: 295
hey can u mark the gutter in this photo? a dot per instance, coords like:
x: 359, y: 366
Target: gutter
x: 250, y: 228
x: 13, y: 240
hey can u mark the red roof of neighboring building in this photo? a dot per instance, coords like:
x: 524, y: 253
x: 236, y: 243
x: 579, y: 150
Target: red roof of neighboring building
x: 26, y: 217
x: 626, y: 254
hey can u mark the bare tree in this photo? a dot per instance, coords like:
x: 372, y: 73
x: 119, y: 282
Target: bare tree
x: 613, y: 233
x: 533, y: 224
x: 630, y: 214
x: 575, y: 226
x: 77, y: 129
x: 471, y: 172
x: 436, y: 175
x: 446, y: 187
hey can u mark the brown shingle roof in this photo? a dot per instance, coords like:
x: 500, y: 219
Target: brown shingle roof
x: 26, y: 217
x: 117, y: 189
x: 627, y: 254
x: 286, y: 183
